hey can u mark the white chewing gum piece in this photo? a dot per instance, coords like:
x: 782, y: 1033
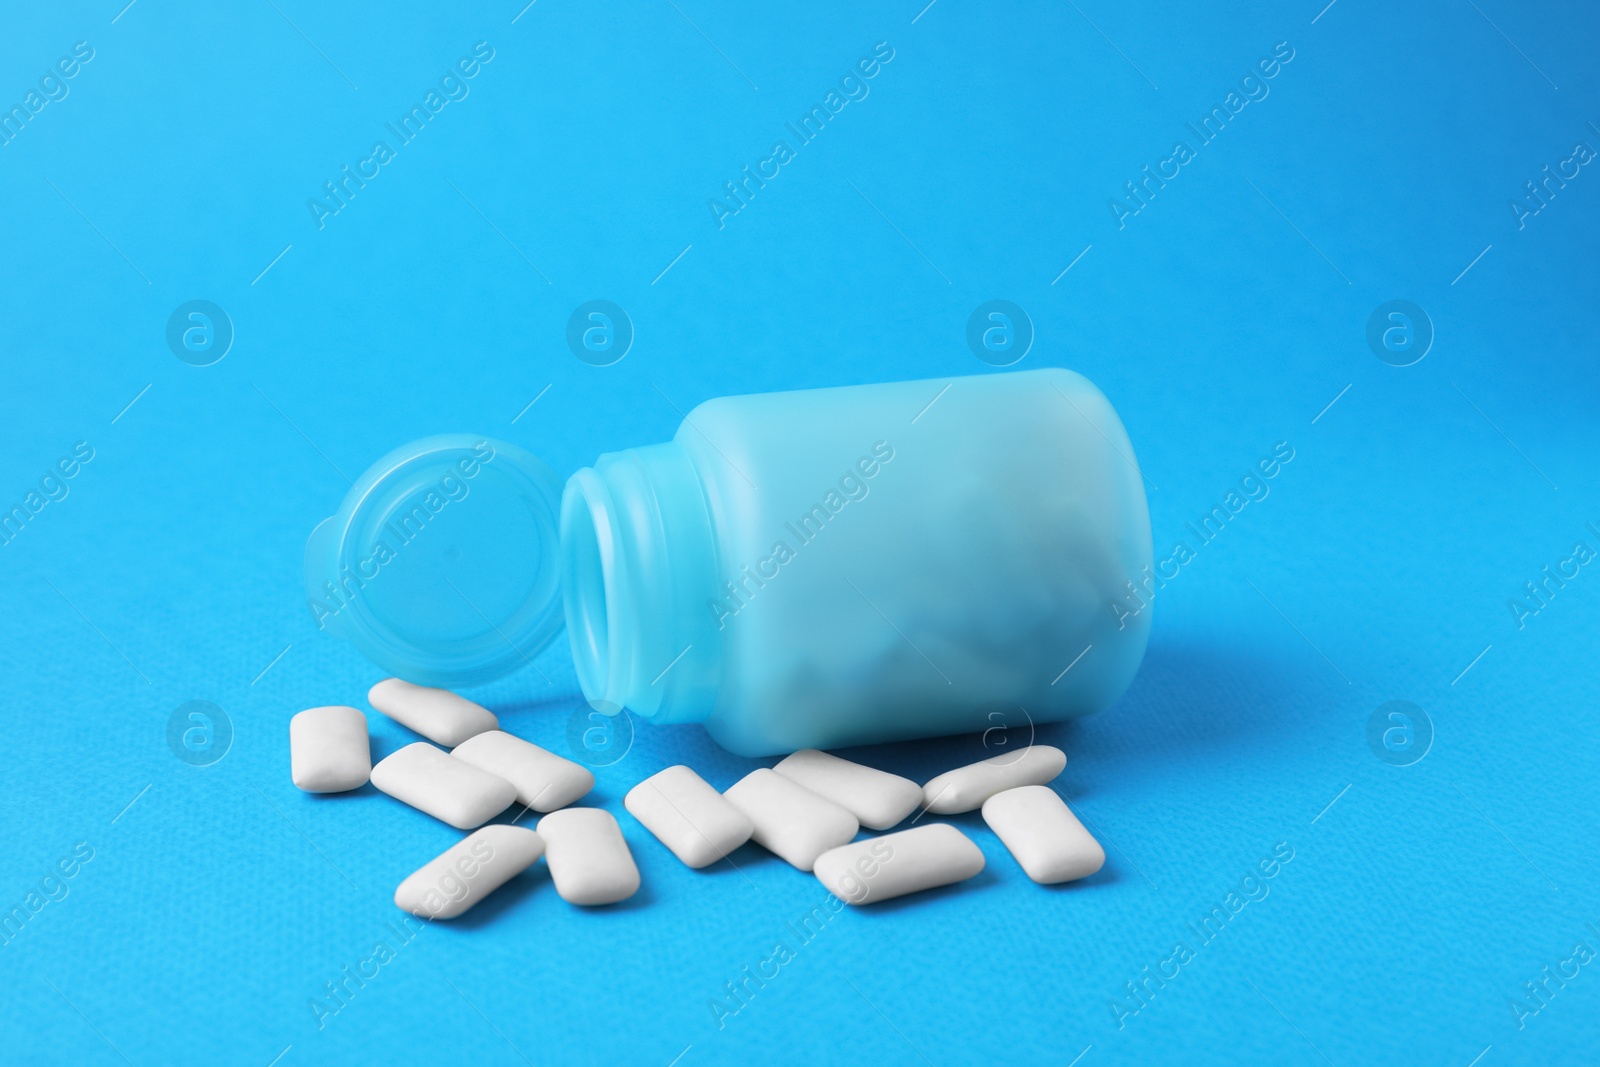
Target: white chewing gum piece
x: 789, y: 819
x: 876, y: 798
x: 687, y: 815
x: 544, y: 780
x: 328, y: 750
x: 882, y: 868
x: 437, y: 714
x: 588, y: 857
x: 469, y: 870
x: 1043, y: 835
x: 435, y: 782
x: 966, y: 788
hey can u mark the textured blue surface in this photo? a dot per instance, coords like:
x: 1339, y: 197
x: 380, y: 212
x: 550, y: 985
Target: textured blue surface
x: 1222, y: 318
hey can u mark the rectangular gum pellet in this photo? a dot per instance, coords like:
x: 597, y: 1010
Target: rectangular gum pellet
x: 328, y: 750
x: 882, y: 868
x: 966, y: 788
x: 1038, y: 828
x: 588, y: 857
x: 687, y: 815
x: 544, y: 780
x: 436, y: 782
x: 469, y: 870
x: 437, y: 714
x: 790, y: 820
x: 876, y: 798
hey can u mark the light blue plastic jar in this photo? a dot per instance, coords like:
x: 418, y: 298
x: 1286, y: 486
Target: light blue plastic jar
x: 819, y: 569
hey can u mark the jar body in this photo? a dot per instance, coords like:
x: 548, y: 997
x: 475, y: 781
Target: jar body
x: 874, y: 563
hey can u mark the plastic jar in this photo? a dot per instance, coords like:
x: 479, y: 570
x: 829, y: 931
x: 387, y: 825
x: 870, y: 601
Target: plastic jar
x: 820, y: 568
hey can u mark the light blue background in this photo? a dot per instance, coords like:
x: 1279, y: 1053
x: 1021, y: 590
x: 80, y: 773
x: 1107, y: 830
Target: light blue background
x: 1222, y: 319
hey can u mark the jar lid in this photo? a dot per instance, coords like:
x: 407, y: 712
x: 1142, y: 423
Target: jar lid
x: 442, y: 564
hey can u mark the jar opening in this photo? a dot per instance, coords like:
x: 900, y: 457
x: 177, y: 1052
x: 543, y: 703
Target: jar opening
x: 588, y: 548
x: 636, y: 555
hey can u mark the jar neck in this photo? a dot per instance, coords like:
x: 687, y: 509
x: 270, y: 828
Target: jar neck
x: 638, y: 568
